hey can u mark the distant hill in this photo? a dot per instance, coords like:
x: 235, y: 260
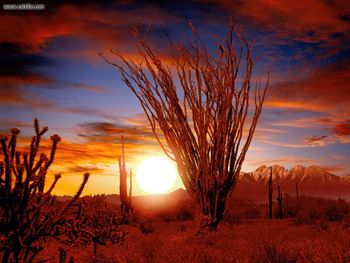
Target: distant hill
x: 147, y: 201
x: 312, y: 180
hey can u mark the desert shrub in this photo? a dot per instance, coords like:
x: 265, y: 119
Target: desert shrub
x: 310, y: 213
x: 321, y: 251
x: 336, y: 210
x: 145, y: 220
x: 185, y: 210
x: 232, y: 217
x: 96, y: 224
x: 313, y: 210
x: 319, y: 226
x: 241, y: 210
x: 166, y: 216
x: 291, y: 206
x: 28, y: 212
x: 147, y: 227
x: 183, y: 228
x: 283, y: 251
x: 346, y: 222
x: 95, y: 200
x: 272, y: 252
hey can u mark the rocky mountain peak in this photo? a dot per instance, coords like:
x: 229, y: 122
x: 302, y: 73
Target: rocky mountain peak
x: 313, y: 180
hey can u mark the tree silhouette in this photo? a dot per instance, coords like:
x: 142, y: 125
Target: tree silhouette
x: 203, y: 118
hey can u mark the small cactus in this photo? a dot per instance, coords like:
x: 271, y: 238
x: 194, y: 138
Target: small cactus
x: 28, y: 215
x: 96, y: 223
x: 279, y: 200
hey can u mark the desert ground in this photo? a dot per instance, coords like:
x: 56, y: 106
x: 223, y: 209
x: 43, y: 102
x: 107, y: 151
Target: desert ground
x: 319, y: 234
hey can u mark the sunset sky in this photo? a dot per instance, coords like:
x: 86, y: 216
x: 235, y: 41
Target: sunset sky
x: 50, y: 69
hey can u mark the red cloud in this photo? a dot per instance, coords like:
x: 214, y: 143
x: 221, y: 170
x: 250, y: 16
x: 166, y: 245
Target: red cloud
x: 108, y: 27
x: 324, y: 90
x: 33, y: 79
x: 308, y: 21
x: 342, y: 129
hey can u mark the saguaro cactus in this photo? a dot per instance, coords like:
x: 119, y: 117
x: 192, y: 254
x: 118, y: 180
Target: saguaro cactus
x: 28, y: 215
x: 270, y: 188
x: 279, y: 200
x: 125, y: 199
x: 297, y: 189
x: 130, y: 188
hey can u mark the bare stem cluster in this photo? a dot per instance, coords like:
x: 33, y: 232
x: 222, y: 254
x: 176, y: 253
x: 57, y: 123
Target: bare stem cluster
x: 203, y: 120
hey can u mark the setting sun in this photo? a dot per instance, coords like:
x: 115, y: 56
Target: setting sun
x: 156, y: 175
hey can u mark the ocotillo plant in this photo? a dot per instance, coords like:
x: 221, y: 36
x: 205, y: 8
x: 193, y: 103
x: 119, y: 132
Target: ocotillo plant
x: 279, y: 200
x: 28, y: 214
x: 270, y: 188
x: 202, y: 112
x: 125, y: 200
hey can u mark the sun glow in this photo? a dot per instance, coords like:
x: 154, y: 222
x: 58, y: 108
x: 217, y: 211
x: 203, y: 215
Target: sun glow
x: 156, y: 175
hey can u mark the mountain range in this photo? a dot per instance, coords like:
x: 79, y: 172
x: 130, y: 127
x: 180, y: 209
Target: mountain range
x: 312, y: 180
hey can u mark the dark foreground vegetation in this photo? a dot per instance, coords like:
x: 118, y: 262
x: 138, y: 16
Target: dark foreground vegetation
x: 313, y: 230
x: 35, y: 227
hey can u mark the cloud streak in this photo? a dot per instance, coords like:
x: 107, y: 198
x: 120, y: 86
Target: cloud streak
x: 325, y: 91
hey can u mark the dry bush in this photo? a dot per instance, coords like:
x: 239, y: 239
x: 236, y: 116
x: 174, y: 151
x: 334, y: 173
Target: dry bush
x: 184, y: 210
x: 93, y: 201
x: 96, y: 224
x: 336, y: 210
x: 146, y: 227
x: 291, y: 205
x: 312, y: 210
x: 283, y: 251
x: 315, y: 210
x: 272, y: 252
x: 144, y: 220
x: 241, y: 210
x: 346, y: 222
x: 321, y: 251
x: 261, y: 241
